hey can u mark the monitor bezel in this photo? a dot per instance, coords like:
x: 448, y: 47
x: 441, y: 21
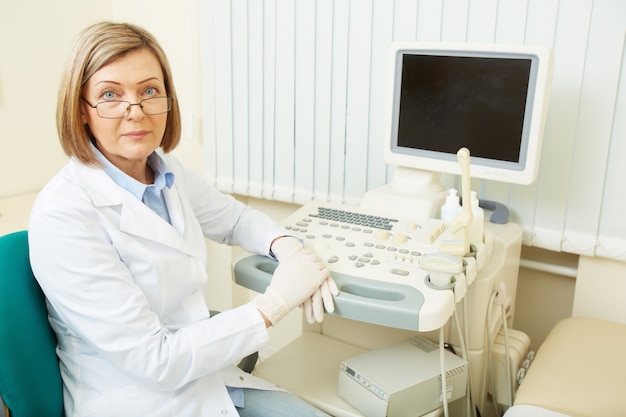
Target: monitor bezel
x: 522, y: 172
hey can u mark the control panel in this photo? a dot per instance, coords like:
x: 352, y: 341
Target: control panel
x: 355, y: 242
x: 379, y: 264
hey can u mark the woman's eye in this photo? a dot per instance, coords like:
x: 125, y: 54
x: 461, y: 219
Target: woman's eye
x: 150, y: 91
x: 108, y: 95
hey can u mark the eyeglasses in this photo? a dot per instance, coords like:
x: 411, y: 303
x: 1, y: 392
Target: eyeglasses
x: 117, y: 109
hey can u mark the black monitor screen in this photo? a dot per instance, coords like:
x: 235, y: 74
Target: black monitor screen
x: 449, y: 102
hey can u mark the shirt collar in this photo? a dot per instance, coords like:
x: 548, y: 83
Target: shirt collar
x: 163, y: 176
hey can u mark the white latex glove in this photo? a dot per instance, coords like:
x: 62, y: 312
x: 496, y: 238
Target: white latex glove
x: 322, y: 299
x: 285, y: 246
x: 299, y: 274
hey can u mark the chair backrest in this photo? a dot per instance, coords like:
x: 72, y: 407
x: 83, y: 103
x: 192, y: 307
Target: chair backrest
x: 30, y: 381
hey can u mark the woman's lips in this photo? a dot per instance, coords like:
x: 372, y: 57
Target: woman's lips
x: 137, y: 134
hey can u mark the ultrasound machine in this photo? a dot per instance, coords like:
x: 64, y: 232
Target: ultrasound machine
x: 422, y: 321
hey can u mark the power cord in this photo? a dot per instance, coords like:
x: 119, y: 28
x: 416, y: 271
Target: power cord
x: 444, y: 384
x: 470, y: 394
x: 500, y: 299
x: 442, y: 348
x: 448, y: 271
x: 508, y: 356
x: 490, y: 304
x: 463, y: 336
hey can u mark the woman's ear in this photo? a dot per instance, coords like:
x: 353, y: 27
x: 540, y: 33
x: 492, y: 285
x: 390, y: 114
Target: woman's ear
x: 83, y: 114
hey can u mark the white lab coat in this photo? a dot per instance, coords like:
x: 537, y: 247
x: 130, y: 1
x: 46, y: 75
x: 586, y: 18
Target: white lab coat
x: 126, y: 294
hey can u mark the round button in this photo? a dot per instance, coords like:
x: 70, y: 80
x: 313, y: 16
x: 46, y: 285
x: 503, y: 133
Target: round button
x: 400, y: 238
x: 381, y: 235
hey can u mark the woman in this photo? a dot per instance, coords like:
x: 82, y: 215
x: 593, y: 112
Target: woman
x: 117, y: 245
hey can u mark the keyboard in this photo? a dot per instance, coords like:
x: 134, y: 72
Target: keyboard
x: 350, y: 240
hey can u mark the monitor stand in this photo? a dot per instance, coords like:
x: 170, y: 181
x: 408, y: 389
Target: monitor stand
x: 412, y: 193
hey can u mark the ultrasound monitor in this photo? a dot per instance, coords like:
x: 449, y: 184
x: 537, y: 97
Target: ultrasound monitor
x: 489, y: 98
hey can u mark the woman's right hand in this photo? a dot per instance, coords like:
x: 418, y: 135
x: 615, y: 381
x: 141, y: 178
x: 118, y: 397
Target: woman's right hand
x: 299, y: 275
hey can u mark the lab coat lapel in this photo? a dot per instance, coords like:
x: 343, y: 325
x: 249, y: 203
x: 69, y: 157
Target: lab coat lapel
x: 135, y: 217
x: 184, y: 221
x: 175, y: 209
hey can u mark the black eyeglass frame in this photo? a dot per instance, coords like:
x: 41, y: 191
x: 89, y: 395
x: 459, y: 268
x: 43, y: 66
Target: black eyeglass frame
x: 170, y: 101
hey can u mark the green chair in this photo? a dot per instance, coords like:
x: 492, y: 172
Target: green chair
x: 30, y: 380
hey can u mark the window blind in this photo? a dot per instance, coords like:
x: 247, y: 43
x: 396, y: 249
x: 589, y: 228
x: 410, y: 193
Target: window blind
x: 294, y: 97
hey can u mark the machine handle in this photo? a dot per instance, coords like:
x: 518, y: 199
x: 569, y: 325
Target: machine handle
x: 396, y: 305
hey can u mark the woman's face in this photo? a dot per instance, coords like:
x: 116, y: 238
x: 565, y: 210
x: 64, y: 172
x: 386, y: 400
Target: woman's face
x: 128, y: 141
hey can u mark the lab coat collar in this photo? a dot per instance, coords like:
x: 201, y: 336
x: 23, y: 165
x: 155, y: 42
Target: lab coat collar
x: 135, y: 217
x: 163, y: 176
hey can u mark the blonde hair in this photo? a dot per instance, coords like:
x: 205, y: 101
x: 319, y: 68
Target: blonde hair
x: 95, y: 47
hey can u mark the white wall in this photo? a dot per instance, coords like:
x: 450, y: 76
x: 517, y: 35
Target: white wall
x: 34, y: 39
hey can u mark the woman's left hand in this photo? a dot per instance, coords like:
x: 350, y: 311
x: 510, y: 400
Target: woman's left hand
x: 322, y: 299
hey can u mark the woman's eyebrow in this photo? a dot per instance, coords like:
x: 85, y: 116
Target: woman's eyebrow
x: 139, y: 82
x: 108, y: 82
x: 150, y: 79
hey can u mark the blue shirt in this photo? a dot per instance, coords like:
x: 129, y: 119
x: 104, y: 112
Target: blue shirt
x: 150, y: 195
